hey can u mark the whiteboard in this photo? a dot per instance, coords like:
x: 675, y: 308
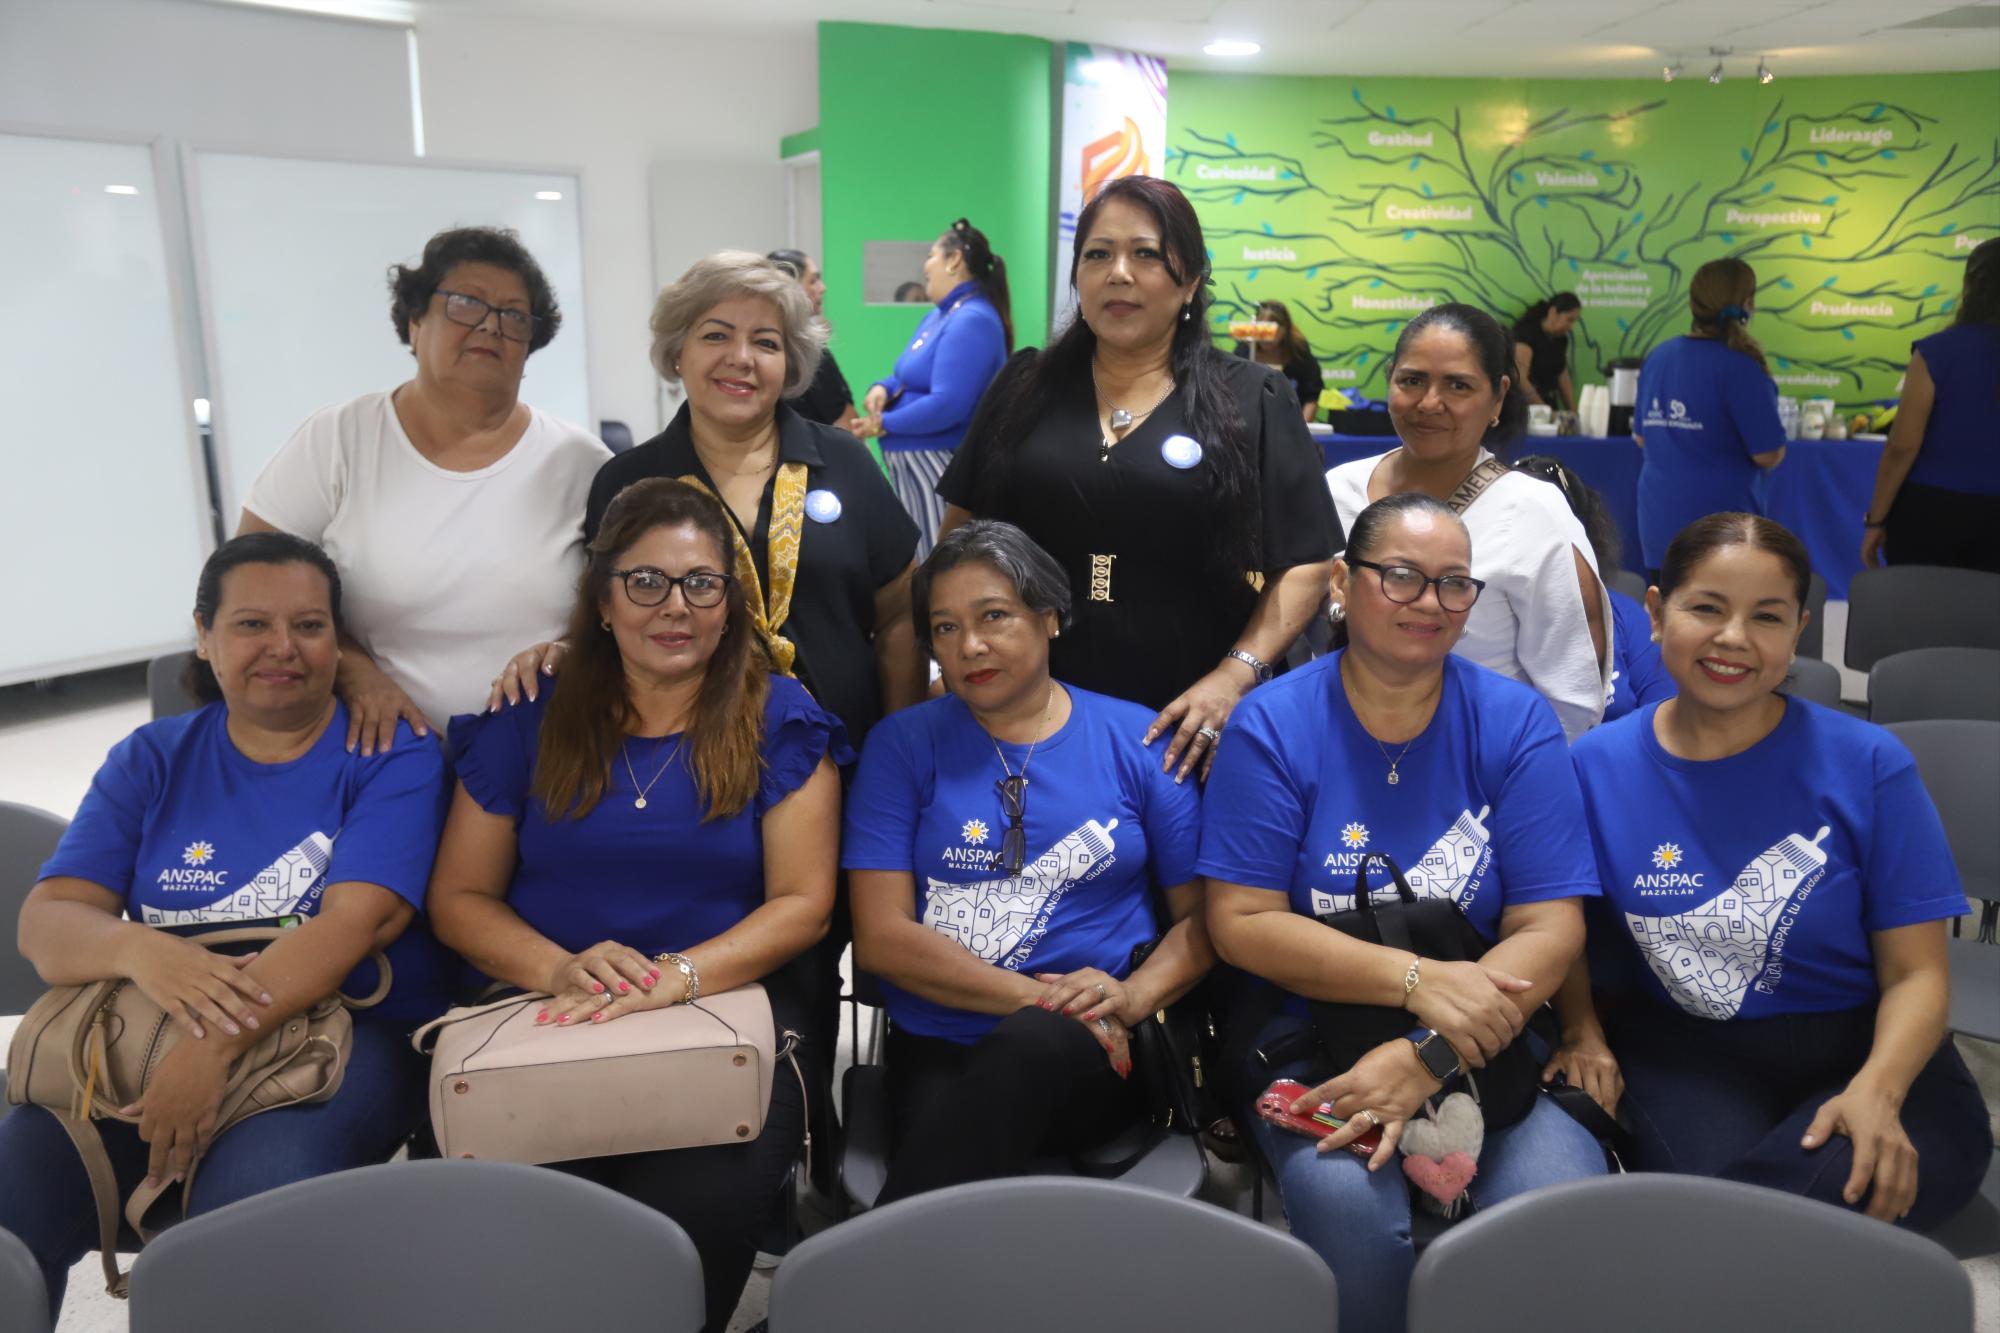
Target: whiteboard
x: 292, y: 258
x: 103, y: 514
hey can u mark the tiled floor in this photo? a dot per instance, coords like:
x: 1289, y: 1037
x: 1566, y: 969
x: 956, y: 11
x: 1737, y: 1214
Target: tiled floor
x: 52, y: 740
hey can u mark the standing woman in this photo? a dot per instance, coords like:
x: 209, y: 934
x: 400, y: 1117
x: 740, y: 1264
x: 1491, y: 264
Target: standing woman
x: 449, y: 505
x: 1541, y: 350
x: 1937, y: 491
x: 920, y: 413
x: 1173, y: 483
x: 1707, y: 415
x: 1291, y: 355
x: 1777, y: 882
x: 1544, y: 618
x: 827, y: 399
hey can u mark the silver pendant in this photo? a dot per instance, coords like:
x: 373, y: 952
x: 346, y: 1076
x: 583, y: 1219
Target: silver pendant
x: 1393, y: 780
x: 640, y: 804
x: 1120, y: 418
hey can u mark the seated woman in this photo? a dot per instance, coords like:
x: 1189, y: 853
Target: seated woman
x: 1393, y: 745
x: 1009, y: 844
x: 248, y: 811
x: 660, y: 823
x: 1780, y: 881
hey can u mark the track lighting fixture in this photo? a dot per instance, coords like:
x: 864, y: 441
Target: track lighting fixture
x: 1715, y: 75
x: 1671, y: 72
x: 1764, y: 74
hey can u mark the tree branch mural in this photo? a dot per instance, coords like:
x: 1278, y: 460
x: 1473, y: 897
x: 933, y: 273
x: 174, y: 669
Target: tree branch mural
x: 1856, y: 199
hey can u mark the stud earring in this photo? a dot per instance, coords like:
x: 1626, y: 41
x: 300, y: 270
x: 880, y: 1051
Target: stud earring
x: 1336, y: 612
x: 606, y: 624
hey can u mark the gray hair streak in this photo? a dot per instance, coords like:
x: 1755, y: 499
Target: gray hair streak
x: 726, y: 275
x: 1037, y: 578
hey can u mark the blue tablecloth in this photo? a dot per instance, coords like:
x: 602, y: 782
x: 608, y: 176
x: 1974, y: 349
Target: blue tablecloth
x: 1820, y: 491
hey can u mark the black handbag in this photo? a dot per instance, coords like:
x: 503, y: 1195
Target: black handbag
x: 1175, y: 1052
x: 1431, y: 928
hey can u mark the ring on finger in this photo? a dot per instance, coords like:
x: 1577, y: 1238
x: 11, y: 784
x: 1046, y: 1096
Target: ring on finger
x: 1100, y: 990
x: 1374, y: 1121
x: 1104, y: 1027
x: 1209, y: 734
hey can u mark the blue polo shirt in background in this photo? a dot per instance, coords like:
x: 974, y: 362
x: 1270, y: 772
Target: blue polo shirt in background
x: 1703, y: 410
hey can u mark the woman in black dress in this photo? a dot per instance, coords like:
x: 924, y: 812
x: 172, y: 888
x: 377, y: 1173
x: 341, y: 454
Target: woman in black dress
x: 1176, y: 485
x: 1541, y: 350
x: 1291, y: 354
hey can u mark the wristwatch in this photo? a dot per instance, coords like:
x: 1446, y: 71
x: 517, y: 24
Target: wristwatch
x: 1439, y: 1059
x: 1263, y: 669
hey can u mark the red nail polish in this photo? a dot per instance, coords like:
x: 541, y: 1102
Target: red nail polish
x: 597, y: 988
x: 1090, y: 1017
x: 597, y: 1017
x: 624, y: 986
x: 542, y: 1017
x: 648, y: 982
x: 563, y: 1019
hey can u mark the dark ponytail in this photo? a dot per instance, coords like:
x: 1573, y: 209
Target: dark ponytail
x: 1561, y: 303
x: 986, y: 268
x: 252, y: 548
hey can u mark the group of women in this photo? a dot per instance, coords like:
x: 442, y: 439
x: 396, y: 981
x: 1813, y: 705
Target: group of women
x: 1116, y: 794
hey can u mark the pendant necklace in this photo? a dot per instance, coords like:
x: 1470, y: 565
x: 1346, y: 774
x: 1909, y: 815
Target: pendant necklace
x: 1393, y: 778
x: 1121, y: 419
x: 626, y: 751
x: 1013, y: 851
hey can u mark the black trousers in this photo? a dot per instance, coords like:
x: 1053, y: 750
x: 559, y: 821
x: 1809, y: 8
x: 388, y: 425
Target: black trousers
x: 1928, y: 525
x: 1037, y: 1084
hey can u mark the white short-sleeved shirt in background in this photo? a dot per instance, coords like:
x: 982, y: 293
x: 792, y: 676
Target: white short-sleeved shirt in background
x: 1529, y: 623
x: 445, y: 575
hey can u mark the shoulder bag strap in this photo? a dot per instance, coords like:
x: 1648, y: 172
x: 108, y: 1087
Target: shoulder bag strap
x: 422, y: 1038
x: 103, y: 1192
x: 1475, y: 484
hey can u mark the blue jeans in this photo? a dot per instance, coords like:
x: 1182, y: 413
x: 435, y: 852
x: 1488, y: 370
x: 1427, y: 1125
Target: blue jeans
x: 46, y: 1197
x: 1359, y: 1220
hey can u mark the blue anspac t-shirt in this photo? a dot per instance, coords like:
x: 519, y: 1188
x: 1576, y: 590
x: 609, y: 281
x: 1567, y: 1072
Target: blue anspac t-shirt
x: 1749, y: 886
x: 1638, y: 677
x: 658, y: 879
x: 1105, y: 829
x: 1482, y: 813
x: 1703, y: 410
x: 197, y: 837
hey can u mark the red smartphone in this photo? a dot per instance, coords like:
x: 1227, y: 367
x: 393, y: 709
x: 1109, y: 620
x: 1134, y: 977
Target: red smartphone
x: 1276, y: 1106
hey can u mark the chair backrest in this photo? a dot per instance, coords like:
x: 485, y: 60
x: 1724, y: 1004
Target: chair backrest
x: 1072, y: 1253
x: 28, y: 837
x: 1935, y: 683
x: 422, y: 1245
x: 1815, y: 680
x: 617, y: 436
x: 1632, y: 584
x: 1960, y: 765
x: 1812, y: 643
x: 1642, y: 1253
x: 1901, y: 607
x: 163, y: 686
x: 24, y: 1297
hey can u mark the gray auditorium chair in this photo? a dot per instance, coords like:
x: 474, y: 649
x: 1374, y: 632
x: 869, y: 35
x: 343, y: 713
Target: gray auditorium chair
x: 164, y: 689
x: 1960, y: 765
x: 1669, y: 1253
x: 1902, y: 607
x: 1926, y: 683
x: 1815, y: 680
x: 422, y: 1246
x: 617, y: 436
x: 1051, y: 1252
x: 28, y: 837
x: 24, y: 1297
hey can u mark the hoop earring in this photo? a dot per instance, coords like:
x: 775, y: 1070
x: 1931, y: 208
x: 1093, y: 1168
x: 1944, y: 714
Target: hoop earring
x: 1336, y: 612
x: 606, y: 625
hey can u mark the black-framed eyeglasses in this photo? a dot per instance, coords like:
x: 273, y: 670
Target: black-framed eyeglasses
x: 1013, y: 853
x: 1403, y: 585
x: 515, y: 325
x: 647, y: 586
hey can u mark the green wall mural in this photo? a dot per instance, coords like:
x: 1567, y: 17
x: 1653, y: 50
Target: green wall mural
x: 1361, y: 201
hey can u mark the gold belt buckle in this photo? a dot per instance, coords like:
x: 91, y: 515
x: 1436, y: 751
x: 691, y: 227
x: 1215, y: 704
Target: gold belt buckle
x: 1100, y: 577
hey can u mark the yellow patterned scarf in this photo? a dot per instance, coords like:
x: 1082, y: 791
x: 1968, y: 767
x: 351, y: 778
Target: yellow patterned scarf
x: 788, y: 517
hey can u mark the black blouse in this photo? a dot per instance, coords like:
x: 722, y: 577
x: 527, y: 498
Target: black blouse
x: 842, y: 563
x: 827, y: 398
x: 1548, y: 358
x: 1301, y: 372
x: 1155, y: 609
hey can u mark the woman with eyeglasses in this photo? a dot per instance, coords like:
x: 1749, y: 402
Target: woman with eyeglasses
x: 1010, y: 844
x: 449, y: 505
x: 661, y: 823
x: 921, y: 411
x: 1393, y: 745
x: 1457, y: 407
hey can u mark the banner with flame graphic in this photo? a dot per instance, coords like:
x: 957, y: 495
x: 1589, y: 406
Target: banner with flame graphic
x: 1114, y: 123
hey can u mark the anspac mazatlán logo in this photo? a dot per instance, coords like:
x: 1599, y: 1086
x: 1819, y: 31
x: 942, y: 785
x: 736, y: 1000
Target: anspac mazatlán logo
x: 199, y: 853
x: 974, y: 831
x: 1354, y: 836
x: 1668, y: 856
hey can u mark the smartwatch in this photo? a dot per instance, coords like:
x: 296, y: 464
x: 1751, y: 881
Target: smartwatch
x: 1439, y: 1060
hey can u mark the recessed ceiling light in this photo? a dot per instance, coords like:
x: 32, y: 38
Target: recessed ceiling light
x: 121, y: 189
x: 1225, y: 46
x: 548, y: 196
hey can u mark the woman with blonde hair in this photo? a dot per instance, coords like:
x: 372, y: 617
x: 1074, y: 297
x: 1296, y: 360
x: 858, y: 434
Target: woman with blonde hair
x: 1707, y: 415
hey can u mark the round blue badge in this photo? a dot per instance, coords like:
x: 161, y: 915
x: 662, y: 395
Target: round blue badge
x: 1181, y: 451
x: 822, y: 506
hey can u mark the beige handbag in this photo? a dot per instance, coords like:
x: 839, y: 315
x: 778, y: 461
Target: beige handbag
x: 82, y: 1052
x: 690, y: 1075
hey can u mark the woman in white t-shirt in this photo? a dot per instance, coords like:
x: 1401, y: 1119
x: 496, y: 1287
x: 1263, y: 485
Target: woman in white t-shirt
x: 453, y: 509
x: 1544, y: 618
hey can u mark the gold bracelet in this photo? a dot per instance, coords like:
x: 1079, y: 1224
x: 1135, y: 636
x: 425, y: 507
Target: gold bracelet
x: 1410, y: 979
x: 690, y: 977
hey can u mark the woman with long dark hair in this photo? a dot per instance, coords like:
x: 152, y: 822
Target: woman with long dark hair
x: 1707, y: 414
x: 1290, y: 354
x: 1541, y: 350
x: 1937, y: 490
x: 1172, y: 482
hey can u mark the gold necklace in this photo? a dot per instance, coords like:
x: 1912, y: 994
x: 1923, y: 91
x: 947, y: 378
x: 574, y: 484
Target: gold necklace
x: 625, y: 751
x: 1393, y: 779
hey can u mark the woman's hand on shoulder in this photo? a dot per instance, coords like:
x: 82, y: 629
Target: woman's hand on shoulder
x: 1885, y: 1161
x: 196, y: 987
x: 602, y: 982
x: 1470, y: 1006
x: 1389, y: 1083
x: 375, y: 704
x: 522, y: 675
x: 1202, y: 708
x: 1585, y: 1061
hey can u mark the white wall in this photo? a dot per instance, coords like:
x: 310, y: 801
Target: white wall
x: 699, y: 113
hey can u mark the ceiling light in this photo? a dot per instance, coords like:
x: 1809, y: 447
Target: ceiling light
x: 548, y: 196
x: 1671, y: 72
x: 1715, y: 75
x: 1224, y: 46
x: 1764, y: 74
x: 121, y: 189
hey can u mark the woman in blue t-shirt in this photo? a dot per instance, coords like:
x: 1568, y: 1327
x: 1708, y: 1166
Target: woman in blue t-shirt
x: 660, y: 824
x: 1009, y: 846
x: 1707, y: 415
x: 1393, y: 746
x: 1781, y: 881
x: 248, y: 811
x: 1937, y: 489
